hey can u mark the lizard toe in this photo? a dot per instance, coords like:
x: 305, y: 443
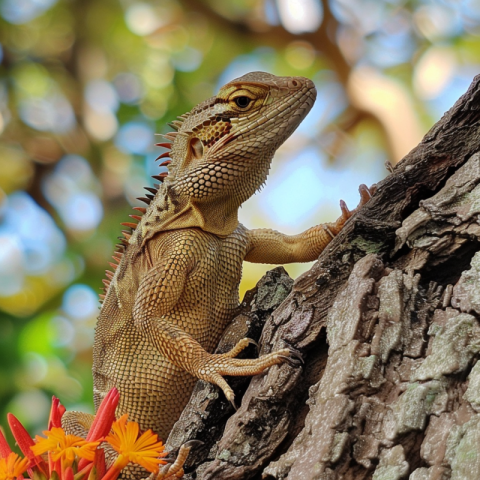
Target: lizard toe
x: 240, y: 346
x: 365, y: 194
x: 295, y: 357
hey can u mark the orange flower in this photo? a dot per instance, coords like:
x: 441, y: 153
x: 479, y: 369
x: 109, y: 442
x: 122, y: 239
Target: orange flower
x: 144, y: 450
x: 64, y: 447
x: 12, y: 467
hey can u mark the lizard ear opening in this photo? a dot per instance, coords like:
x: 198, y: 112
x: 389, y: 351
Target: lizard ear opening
x: 196, y: 148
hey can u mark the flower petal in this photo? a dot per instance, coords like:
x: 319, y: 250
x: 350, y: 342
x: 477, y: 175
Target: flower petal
x: 5, y: 449
x: 99, y: 468
x: 24, y: 441
x: 68, y: 474
x: 56, y: 412
x: 105, y: 416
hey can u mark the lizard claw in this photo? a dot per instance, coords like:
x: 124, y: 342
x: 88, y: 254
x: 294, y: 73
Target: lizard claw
x: 168, y: 459
x: 295, y: 358
x: 346, y: 214
x: 193, y: 444
x: 291, y: 361
x: 296, y: 354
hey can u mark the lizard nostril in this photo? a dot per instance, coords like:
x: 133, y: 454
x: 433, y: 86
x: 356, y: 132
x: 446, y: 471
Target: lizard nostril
x: 293, y: 83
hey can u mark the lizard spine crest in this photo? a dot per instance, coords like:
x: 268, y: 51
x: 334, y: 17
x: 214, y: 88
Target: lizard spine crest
x: 121, y: 246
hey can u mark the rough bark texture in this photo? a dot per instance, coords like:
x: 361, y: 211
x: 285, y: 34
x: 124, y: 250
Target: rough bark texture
x: 387, y: 321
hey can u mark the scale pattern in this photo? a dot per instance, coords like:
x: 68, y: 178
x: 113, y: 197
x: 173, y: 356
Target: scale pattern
x: 194, y: 304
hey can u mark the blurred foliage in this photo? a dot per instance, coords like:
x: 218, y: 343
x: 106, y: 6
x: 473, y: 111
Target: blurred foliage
x: 85, y: 84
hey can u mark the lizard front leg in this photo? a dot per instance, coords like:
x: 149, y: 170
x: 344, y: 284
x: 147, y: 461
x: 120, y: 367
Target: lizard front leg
x: 159, y: 292
x: 270, y: 246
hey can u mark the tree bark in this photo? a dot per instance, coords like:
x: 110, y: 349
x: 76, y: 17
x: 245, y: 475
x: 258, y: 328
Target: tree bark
x: 387, y: 321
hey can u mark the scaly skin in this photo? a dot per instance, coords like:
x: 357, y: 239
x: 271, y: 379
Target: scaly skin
x: 176, y: 286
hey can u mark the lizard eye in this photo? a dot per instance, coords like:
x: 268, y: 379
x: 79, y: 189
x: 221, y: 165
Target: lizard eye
x: 243, y: 101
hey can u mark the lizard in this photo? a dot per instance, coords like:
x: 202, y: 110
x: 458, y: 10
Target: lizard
x: 175, y: 283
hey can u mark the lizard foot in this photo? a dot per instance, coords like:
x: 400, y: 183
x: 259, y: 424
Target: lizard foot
x: 365, y: 195
x: 216, y: 366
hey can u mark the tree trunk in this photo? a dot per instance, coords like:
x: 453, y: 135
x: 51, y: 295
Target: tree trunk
x: 387, y: 323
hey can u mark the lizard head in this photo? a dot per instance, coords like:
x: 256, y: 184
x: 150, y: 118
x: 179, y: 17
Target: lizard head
x: 235, y: 134
x: 224, y: 146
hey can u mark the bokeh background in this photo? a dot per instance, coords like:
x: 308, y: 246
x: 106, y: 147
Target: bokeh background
x: 85, y: 85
